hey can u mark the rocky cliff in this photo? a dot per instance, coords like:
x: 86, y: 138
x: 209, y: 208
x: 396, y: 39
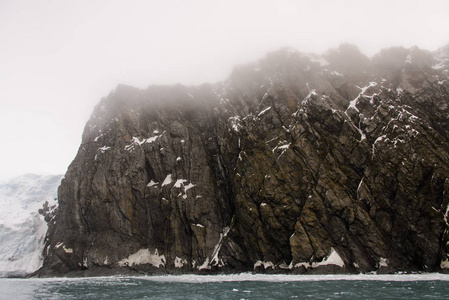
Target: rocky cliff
x: 296, y: 163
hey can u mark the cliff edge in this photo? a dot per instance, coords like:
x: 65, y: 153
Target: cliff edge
x: 296, y: 163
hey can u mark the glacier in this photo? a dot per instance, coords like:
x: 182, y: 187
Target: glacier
x: 22, y: 228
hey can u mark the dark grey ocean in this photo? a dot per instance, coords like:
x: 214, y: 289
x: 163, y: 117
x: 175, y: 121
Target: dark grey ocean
x: 241, y: 286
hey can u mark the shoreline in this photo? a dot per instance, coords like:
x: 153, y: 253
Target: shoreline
x: 241, y: 277
x: 101, y: 272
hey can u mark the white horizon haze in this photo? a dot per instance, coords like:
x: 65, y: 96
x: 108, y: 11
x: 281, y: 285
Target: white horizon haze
x: 59, y: 58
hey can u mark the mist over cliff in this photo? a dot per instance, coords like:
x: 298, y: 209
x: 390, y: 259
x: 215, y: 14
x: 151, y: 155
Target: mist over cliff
x: 297, y: 163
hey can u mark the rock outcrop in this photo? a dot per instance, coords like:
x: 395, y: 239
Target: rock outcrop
x: 297, y: 163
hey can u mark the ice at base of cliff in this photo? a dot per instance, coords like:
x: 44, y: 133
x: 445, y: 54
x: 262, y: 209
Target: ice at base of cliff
x: 22, y: 229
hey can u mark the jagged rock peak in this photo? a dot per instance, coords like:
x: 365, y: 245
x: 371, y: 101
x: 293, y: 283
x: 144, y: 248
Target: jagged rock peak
x: 296, y: 163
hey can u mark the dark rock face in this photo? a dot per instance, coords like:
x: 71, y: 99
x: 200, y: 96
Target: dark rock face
x: 296, y: 163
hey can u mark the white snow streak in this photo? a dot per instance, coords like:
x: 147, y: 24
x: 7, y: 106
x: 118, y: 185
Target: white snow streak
x: 264, y: 111
x: 216, y: 261
x: 103, y: 149
x: 137, y: 142
x: 353, y: 103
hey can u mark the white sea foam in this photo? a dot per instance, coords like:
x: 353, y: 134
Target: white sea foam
x: 190, y: 278
x: 428, y: 286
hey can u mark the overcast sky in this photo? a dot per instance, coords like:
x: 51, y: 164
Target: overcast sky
x: 59, y: 58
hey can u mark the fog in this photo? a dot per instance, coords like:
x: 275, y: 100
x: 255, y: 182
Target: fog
x: 59, y: 58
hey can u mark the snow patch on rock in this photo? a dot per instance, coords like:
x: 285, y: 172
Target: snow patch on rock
x: 167, y: 180
x: 382, y: 262
x: 151, y: 183
x: 144, y: 256
x: 137, y: 142
x: 264, y: 264
x: 235, y: 123
x: 179, y: 262
x: 179, y: 183
x: 445, y: 264
x: 333, y: 259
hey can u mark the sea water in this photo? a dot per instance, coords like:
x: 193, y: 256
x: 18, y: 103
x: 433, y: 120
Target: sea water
x: 241, y: 286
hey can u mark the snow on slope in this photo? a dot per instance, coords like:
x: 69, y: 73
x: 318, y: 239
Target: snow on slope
x: 22, y: 229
